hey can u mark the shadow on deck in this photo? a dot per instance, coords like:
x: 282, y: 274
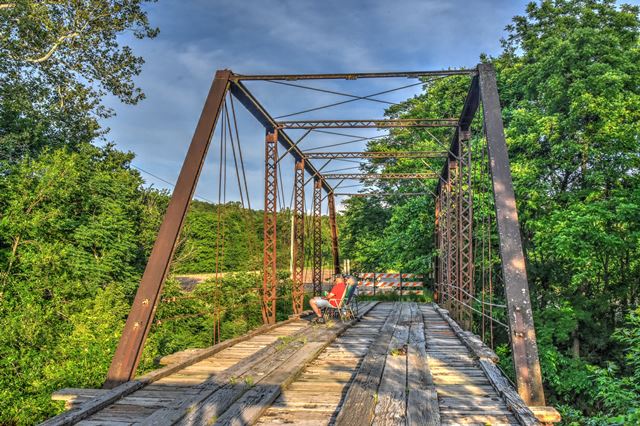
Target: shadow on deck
x: 399, y: 363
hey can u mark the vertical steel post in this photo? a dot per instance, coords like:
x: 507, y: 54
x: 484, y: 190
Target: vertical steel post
x: 298, y: 238
x: 436, y: 264
x: 269, y: 266
x: 127, y: 355
x: 445, y: 240
x: 454, y: 237
x: 317, y: 237
x: 465, y: 227
x: 334, y: 233
x: 523, y: 338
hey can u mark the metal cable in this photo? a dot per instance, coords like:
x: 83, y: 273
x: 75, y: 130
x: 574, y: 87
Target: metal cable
x: 168, y: 182
x: 354, y: 97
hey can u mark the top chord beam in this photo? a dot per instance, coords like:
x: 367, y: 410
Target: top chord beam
x: 376, y: 124
x: 355, y: 76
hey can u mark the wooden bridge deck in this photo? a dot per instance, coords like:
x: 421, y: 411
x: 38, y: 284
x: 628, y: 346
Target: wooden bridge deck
x: 401, y: 363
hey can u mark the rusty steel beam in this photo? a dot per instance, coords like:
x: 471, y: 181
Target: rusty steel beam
x: 438, y: 255
x: 523, y: 337
x: 379, y: 194
x: 444, y: 244
x: 380, y: 175
x: 127, y: 355
x: 375, y: 154
x: 454, y: 241
x: 333, y: 225
x: 246, y: 98
x: 465, y: 231
x: 270, y: 275
x: 317, y: 237
x: 471, y: 103
x: 298, y: 238
x: 364, y: 124
x: 354, y: 76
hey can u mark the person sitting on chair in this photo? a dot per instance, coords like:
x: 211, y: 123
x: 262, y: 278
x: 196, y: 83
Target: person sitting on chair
x: 331, y: 299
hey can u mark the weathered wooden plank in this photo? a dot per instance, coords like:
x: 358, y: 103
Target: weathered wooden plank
x: 102, y: 423
x: 391, y: 407
x: 249, y: 400
x: 508, y: 393
x: 479, y: 420
x: 477, y: 347
x: 546, y: 414
x: 96, y: 404
x: 422, y: 401
x: 229, y: 385
x: 257, y: 400
x: 359, y: 403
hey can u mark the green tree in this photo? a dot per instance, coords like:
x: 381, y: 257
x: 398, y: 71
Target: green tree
x: 57, y: 61
x: 73, y: 234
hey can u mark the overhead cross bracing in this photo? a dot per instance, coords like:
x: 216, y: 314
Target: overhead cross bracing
x: 381, y: 194
x: 380, y: 175
x: 375, y: 154
x: 456, y: 249
x: 373, y: 124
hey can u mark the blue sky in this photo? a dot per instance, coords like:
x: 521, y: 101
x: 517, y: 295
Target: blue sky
x: 288, y: 36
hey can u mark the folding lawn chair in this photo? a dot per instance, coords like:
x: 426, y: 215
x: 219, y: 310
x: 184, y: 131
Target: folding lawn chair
x: 343, y: 308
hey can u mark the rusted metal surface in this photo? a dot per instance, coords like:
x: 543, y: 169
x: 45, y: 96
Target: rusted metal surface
x: 465, y: 231
x: 523, y: 338
x: 380, y: 176
x: 269, y: 271
x: 376, y: 154
x: 334, y: 233
x: 453, y: 219
x: 466, y: 117
x: 317, y: 237
x: 354, y: 76
x: 298, y: 238
x: 437, y: 268
x: 127, y: 355
x: 380, y: 194
x: 364, y: 124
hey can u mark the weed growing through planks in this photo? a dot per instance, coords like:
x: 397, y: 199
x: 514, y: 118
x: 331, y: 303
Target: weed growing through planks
x: 212, y: 420
x: 283, y: 341
x: 401, y: 351
x: 233, y: 380
x: 249, y: 381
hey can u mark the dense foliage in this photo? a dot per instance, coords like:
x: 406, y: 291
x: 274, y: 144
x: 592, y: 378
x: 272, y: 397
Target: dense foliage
x: 569, y: 83
x: 77, y: 224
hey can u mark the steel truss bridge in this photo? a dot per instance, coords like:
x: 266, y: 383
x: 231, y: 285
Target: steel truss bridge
x: 354, y: 372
